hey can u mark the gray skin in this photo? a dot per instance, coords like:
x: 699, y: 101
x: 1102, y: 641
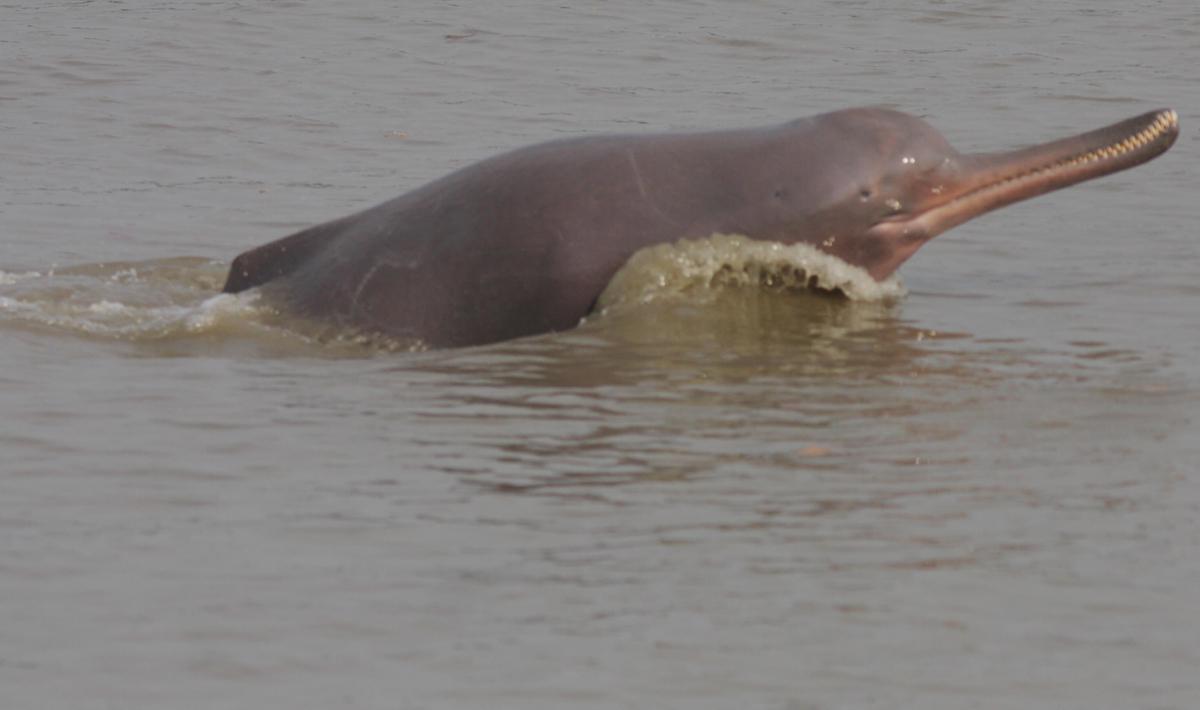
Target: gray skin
x: 525, y: 242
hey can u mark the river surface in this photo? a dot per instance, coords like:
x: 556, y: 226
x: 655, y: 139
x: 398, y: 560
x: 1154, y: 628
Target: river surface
x: 982, y: 494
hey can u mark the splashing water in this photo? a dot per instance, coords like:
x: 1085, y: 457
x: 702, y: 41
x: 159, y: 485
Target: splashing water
x: 133, y: 301
x: 699, y: 270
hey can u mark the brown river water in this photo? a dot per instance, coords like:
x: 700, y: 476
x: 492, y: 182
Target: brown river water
x: 976, y: 488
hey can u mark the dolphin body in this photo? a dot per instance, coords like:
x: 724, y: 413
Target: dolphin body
x: 525, y: 242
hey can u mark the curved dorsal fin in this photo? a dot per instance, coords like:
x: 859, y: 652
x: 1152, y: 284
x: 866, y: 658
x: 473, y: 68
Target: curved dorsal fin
x: 280, y: 257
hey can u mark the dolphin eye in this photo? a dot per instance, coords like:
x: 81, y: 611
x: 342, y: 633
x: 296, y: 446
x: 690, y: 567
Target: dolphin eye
x: 864, y: 194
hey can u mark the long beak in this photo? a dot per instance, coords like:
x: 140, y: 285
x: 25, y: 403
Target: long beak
x: 985, y: 182
x: 1000, y: 179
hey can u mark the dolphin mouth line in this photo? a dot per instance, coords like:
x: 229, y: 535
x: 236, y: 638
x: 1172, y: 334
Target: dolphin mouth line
x: 1164, y: 122
x: 993, y: 180
x: 1022, y: 174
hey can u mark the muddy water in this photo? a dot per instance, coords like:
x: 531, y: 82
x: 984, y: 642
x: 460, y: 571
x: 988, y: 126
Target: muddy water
x: 979, y: 490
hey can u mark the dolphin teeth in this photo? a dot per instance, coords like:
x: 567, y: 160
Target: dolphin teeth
x: 1163, y: 122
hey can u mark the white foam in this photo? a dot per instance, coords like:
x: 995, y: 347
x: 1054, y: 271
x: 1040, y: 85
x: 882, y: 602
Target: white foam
x: 688, y: 266
x: 9, y: 278
x: 147, y: 301
x: 108, y: 308
x: 221, y: 307
x: 129, y: 275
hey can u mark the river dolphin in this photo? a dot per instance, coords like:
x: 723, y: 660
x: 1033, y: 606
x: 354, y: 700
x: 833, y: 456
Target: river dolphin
x: 525, y: 242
